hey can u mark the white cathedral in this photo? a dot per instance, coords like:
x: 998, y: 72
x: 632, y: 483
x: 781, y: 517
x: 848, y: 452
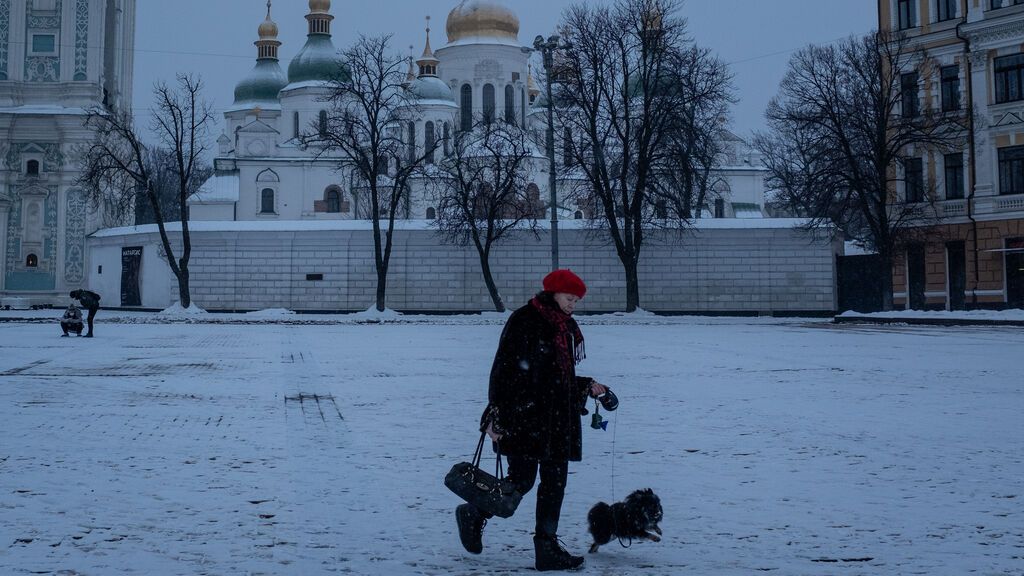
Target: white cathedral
x: 263, y: 173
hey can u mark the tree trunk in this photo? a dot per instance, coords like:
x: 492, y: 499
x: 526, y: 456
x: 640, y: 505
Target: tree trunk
x: 632, y: 286
x: 886, y: 282
x: 184, y: 295
x: 382, y: 284
x: 492, y: 289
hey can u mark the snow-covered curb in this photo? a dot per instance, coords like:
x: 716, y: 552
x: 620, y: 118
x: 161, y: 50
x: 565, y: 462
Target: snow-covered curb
x: 1013, y: 317
x: 371, y: 316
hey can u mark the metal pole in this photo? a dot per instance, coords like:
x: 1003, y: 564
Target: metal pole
x: 549, y: 48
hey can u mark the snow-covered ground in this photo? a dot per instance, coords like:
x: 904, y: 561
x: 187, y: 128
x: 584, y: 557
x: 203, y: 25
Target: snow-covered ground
x: 788, y: 447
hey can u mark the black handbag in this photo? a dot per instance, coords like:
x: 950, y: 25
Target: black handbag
x: 495, y: 494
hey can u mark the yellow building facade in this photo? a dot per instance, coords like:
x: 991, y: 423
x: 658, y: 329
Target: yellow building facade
x: 969, y: 57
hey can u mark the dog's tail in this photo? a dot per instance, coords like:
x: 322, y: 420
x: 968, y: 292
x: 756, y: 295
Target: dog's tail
x: 602, y: 523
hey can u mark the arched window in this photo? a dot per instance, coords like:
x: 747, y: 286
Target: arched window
x: 533, y: 195
x: 267, y: 201
x: 522, y: 104
x: 661, y: 209
x: 447, y: 139
x: 466, y: 107
x: 567, y: 157
x: 510, y: 104
x: 429, y: 141
x: 488, y: 103
x: 31, y: 261
x: 333, y: 199
x: 412, y: 142
x: 323, y: 122
x: 32, y: 168
x: 431, y: 213
x: 579, y: 215
x: 295, y: 125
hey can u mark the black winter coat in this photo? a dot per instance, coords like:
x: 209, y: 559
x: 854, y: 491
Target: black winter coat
x: 89, y: 300
x: 537, y: 414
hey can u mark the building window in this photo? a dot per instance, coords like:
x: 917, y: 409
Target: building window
x: 906, y: 11
x: 431, y: 213
x: 488, y: 103
x: 567, y: 155
x: 908, y: 94
x: 267, y: 201
x: 510, y: 104
x: 953, y: 165
x: 719, y: 208
x: 333, y: 199
x: 1011, y: 170
x: 1009, y: 76
x: 31, y: 261
x: 323, y: 123
x: 44, y: 44
x: 913, y: 179
x: 429, y: 141
x: 447, y: 138
x: 466, y: 107
x: 295, y: 124
x: 1005, y: 3
x: 578, y: 215
x: 950, y: 88
x: 32, y: 168
x: 947, y: 9
x: 661, y: 209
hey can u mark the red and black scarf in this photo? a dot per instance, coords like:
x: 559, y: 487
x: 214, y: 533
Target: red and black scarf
x: 569, y: 349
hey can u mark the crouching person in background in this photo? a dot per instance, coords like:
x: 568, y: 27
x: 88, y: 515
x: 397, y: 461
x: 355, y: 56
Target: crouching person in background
x: 91, y: 302
x: 72, y: 321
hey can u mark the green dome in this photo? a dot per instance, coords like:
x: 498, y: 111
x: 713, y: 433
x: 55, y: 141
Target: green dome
x: 430, y: 88
x: 318, y: 60
x: 262, y: 84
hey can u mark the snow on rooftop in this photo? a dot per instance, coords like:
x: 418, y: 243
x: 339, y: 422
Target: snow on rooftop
x: 219, y: 188
x: 313, y: 225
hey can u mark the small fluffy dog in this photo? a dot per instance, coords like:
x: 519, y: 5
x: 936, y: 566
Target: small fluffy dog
x: 635, y: 517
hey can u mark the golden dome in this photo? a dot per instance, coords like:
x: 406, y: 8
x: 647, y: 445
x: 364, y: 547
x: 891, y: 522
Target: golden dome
x: 480, y: 18
x: 319, y: 5
x: 268, y: 29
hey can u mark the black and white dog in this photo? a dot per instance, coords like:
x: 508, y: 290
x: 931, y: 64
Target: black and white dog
x: 635, y: 517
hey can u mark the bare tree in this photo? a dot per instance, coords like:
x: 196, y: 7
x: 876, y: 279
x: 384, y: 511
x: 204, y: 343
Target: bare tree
x: 482, y: 191
x: 685, y: 178
x: 627, y: 86
x: 846, y: 126
x: 162, y: 165
x: 369, y: 125
x: 120, y: 171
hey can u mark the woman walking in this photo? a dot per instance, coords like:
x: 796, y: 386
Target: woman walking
x: 533, y: 414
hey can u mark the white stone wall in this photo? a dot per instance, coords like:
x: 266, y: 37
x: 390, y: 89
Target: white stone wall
x: 717, y: 270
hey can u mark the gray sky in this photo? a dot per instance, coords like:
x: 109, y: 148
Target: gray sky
x: 215, y: 37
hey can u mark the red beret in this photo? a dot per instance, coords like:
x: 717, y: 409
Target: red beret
x: 565, y: 281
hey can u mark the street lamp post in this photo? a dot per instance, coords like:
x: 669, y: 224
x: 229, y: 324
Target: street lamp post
x: 547, y: 49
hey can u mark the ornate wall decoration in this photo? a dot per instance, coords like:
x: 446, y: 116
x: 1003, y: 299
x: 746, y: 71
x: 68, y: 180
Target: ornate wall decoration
x: 487, y: 69
x: 42, y: 68
x: 53, y: 158
x: 82, y: 40
x: 74, y: 237
x: 42, y: 277
x: 5, y: 32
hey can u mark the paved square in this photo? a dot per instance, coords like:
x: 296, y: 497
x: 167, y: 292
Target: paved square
x: 777, y: 447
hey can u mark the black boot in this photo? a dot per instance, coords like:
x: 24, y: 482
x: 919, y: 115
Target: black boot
x: 551, y: 555
x: 471, y: 527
